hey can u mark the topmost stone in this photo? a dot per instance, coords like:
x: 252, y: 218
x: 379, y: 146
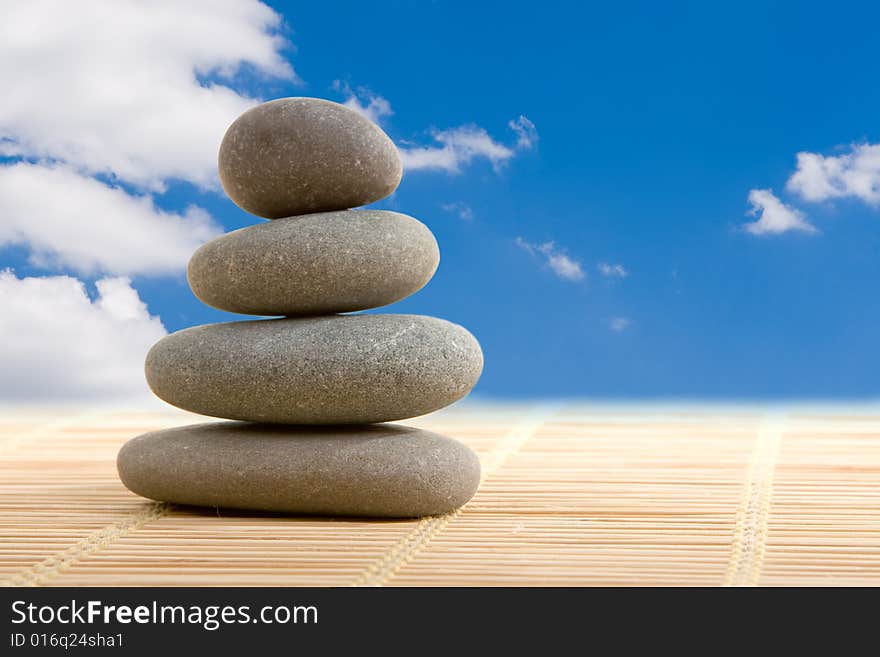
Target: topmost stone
x: 305, y: 155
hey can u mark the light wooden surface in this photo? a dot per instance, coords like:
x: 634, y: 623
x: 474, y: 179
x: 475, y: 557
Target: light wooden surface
x: 573, y: 494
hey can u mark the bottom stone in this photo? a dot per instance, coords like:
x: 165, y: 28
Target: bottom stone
x: 383, y: 470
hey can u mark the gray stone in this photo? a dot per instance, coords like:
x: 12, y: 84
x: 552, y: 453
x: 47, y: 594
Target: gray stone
x: 301, y: 155
x: 383, y: 470
x: 338, y: 369
x: 315, y: 264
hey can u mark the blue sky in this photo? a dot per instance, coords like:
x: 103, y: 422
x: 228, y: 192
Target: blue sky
x: 653, y: 124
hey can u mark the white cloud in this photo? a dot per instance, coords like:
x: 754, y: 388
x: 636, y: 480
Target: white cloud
x: 526, y: 132
x: 561, y: 264
x: 455, y: 147
x: 855, y: 174
x: 112, y: 86
x: 463, y: 210
x: 612, y: 270
x: 774, y: 216
x: 68, y: 220
x: 458, y: 147
x: 362, y: 100
x: 117, y: 90
x: 57, y: 343
x: 619, y: 324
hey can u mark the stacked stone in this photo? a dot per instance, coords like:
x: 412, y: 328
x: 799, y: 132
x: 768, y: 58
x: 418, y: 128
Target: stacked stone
x: 307, y: 390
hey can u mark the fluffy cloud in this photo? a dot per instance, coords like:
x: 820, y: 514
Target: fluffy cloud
x: 118, y: 87
x: 560, y: 264
x: 130, y: 105
x: 55, y: 342
x: 612, y: 270
x: 362, y: 100
x: 774, y: 216
x: 855, y: 174
x: 454, y: 148
x: 458, y: 147
x: 120, y: 90
x: 619, y: 324
x: 68, y: 220
x: 463, y: 210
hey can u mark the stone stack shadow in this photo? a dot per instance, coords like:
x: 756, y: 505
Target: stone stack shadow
x: 308, y: 390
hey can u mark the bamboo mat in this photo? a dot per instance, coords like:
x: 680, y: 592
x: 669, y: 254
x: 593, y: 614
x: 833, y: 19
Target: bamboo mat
x: 573, y: 494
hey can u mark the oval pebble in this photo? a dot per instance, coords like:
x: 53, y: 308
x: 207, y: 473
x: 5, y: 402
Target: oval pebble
x: 342, y: 369
x: 301, y: 155
x: 315, y: 264
x: 385, y: 470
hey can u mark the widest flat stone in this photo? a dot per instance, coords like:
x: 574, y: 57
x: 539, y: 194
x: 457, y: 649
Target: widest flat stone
x: 381, y: 470
x: 340, y: 369
x: 301, y: 155
x: 315, y: 264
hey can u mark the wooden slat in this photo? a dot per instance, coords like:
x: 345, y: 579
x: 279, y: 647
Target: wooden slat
x: 573, y: 494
